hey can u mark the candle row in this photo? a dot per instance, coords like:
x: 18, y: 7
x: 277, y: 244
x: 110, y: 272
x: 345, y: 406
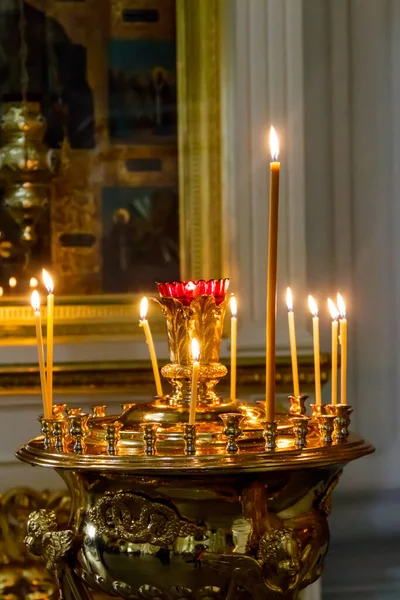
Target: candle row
x: 338, y: 315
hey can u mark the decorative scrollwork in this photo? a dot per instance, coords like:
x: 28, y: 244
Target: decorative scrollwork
x: 135, y: 519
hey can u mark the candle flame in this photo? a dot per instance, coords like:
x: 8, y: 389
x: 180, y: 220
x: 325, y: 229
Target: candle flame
x: 35, y: 301
x: 1, y: 291
x: 341, y: 306
x: 333, y: 310
x: 144, y: 305
x: 12, y: 282
x: 233, y: 306
x: 312, y: 305
x: 195, y: 350
x: 289, y: 299
x: 274, y: 144
x: 33, y: 282
x: 48, y: 281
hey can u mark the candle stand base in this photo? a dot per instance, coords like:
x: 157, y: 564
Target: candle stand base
x: 165, y: 524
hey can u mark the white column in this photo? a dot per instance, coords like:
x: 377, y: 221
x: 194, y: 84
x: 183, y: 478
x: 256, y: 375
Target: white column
x: 263, y: 83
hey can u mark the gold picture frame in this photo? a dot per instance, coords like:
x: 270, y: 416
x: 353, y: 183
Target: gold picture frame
x: 115, y: 316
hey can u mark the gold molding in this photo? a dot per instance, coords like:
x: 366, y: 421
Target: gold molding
x: 136, y: 378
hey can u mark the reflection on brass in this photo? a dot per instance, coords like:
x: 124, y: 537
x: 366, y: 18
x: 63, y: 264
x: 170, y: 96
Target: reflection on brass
x: 189, y: 437
x: 325, y: 425
x: 300, y: 429
x: 47, y: 431
x: 203, y: 319
x: 77, y: 425
x: 298, y: 405
x: 232, y: 423
x: 59, y: 433
x: 150, y: 438
x: 112, y: 436
x: 342, y: 414
x: 270, y: 434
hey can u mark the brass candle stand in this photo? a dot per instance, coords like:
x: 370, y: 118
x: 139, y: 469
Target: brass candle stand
x: 232, y: 507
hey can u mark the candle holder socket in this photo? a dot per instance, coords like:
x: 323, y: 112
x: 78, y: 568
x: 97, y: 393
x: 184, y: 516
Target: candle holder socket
x: 77, y: 425
x: 325, y: 427
x: 189, y: 437
x: 232, y: 430
x: 300, y: 430
x: 99, y: 410
x: 270, y: 434
x: 112, y: 436
x: 59, y: 434
x: 73, y: 412
x: 297, y: 405
x: 342, y: 414
x: 317, y: 410
x: 150, y: 437
x: 47, y: 432
x: 58, y: 411
x: 127, y: 405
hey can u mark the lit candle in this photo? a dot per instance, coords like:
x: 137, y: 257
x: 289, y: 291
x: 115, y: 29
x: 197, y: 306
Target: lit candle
x: 317, y: 364
x: 343, y: 345
x: 48, y: 282
x: 335, y: 315
x: 35, y: 302
x: 33, y: 282
x: 271, y: 278
x: 195, y: 379
x: 233, y: 306
x: 1, y: 291
x: 12, y: 282
x: 149, y: 339
x: 292, y: 336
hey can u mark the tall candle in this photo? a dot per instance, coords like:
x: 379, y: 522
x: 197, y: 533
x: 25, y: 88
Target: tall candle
x: 149, y: 339
x: 317, y: 361
x: 335, y: 315
x: 343, y: 345
x: 233, y: 306
x: 272, y: 277
x: 195, y: 380
x: 292, y: 337
x: 35, y: 302
x: 48, y: 282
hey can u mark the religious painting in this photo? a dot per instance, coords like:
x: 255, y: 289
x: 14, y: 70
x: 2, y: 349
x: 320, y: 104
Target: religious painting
x: 142, y: 91
x: 140, y: 238
x: 89, y: 116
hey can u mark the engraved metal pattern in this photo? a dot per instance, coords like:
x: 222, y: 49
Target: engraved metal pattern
x: 156, y: 523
